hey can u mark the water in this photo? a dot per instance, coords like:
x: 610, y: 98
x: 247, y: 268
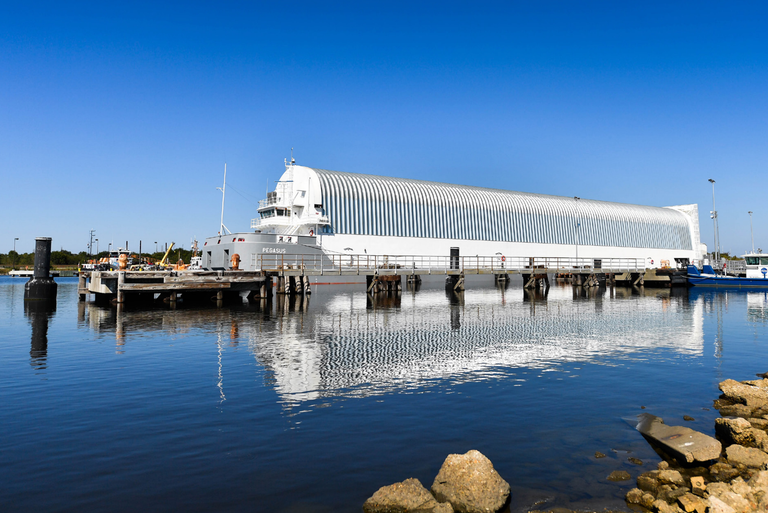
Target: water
x: 311, y: 407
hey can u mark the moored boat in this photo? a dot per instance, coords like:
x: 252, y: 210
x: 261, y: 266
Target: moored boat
x: 756, y: 275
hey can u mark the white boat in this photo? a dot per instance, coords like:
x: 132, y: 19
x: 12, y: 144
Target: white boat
x: 319, y: 217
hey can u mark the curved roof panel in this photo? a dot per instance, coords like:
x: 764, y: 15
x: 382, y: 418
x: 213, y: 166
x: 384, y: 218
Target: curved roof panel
x: 401, y: 207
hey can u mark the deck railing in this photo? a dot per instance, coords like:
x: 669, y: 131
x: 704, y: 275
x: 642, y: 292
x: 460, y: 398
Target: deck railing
x: 418, y: 264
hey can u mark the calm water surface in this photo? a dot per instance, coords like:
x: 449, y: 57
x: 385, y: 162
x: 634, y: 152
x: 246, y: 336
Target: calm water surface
x: 312, y: 406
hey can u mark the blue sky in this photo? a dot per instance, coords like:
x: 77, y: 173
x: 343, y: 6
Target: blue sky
x: 119, y: 118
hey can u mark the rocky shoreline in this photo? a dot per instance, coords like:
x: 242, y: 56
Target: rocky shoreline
x: 698, y: 474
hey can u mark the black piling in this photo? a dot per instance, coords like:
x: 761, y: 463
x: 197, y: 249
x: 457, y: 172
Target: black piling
x: 41, y: 286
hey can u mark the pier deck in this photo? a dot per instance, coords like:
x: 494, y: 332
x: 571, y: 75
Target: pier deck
x: 383, y: 272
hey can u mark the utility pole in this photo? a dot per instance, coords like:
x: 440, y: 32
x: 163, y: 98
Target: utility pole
x: 713, y: 215
x: 90, y: 243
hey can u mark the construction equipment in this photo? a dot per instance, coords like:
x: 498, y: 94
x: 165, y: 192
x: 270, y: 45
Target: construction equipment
x: 162, y: 263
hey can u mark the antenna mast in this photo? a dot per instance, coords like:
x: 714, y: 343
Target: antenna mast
x: 223, y: 229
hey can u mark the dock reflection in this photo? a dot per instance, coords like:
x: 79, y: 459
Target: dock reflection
x: 349, y: 343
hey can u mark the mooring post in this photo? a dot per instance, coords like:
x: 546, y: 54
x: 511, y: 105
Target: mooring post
x: 120, y: 282
x: 41, y: 286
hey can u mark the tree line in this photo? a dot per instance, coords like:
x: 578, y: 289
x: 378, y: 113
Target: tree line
x: 64, y: 257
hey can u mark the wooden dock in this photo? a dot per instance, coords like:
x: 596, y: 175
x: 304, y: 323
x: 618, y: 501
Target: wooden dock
x: 149, y: 286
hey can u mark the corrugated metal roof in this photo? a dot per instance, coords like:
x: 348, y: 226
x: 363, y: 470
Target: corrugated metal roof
x: 402, y: 207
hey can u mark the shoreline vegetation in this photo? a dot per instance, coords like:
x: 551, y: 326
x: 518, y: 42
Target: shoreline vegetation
x: 66, y: 260
x: 697, y: 474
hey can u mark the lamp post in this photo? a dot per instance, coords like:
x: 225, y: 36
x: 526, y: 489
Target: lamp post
x: 14, y: 251
x: 751, y: 232
x: 97, y: 246
x: 155, y: 246
x: 713, y: 215
x: 578, y: 224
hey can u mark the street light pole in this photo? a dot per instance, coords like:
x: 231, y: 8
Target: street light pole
x: 713, y: 215
x: 752, y: 233
x: 97, y: 246
x: 14, y: 251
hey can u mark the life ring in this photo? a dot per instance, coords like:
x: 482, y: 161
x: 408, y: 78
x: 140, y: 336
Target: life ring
x: 311, y: 233
x: 503, y: 258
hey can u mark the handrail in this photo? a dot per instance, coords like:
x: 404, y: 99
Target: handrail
x: 441, y: 264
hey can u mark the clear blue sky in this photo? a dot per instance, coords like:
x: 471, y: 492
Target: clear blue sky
x: 119, y: 118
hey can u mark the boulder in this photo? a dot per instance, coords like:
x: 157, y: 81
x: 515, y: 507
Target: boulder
x: 718, y: 506
x: 734, y: 431
x: 724, y: 492
x: 722, y: 472
x: 471, y: 484
x: 752, y: 396
x: 664, y: 507
x: 634, y: 496
x: 736, y: 410
x: 683, y: 443
x: 759, y: 480
x: 749, y: 457
x: 619, y: 475
x: 758, y: 423
x: 671, y: 477
x: 759, y: 383
x: 409, y: 496
x: 648, y: 482
x: 690, y: 503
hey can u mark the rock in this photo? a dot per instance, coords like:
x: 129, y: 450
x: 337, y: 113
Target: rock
x: 688, y: 418
x: 758, y: 423
x: 664, y: 507
x: 697, y: 486
x: 635, y: 461
x: 648, y: 483
x: 761, y: 439
x: 634, y: 496
x: 759, y: 480
x: 671, y: 494
x: 749, y: 457
x: 683, y: 443
x: 736, y: 410
x: 691, y: 503
x: 408, y: 496
x: 718, y: 506
x: 759, y: 383
x: 470, y: 483
x: 741, y: 488
x: 647, y: 500
x: 724, y: 492
x: 663, y: 465
x: 672, y: 477
x: 752, y: 396
x: 721, y: 471
x: 734, y: 431
x: 599, y: 454
x: 619, y: 475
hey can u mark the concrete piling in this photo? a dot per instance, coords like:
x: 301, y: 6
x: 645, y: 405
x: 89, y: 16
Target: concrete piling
x: 41, y: 286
